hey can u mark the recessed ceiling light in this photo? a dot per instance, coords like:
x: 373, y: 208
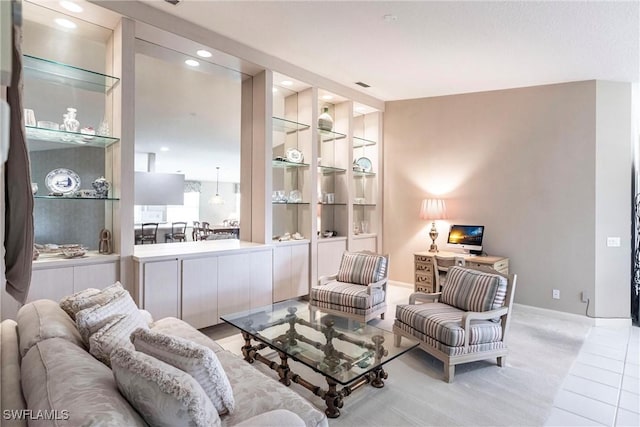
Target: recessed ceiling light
x: 71, y: 6
x: 65, y: 23
x: 192, y: 62
x: 286, y: 83
x: 164, y: 148
x: 327, y: 97
x: 204, y: 53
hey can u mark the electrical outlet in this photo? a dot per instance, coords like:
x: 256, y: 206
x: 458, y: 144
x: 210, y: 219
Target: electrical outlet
x: 613, y: 242
x: 584, y: 296
x: 556, y: 294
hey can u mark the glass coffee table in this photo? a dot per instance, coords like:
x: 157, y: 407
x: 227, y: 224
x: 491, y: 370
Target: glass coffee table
x: 345, y: 352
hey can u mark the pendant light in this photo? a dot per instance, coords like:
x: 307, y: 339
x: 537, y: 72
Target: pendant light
x: 217, y: 199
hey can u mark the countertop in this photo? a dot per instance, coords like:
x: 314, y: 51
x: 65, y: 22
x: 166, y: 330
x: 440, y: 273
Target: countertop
x: 163, y: 251
x: 55, y: 260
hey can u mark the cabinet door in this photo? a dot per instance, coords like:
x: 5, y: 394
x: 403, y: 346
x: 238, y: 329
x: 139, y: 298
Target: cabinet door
x: 234, y: 283
x: 200, y: 291
x: 366, y: 244
x: 282, y: 279
x: 329, y: 256
x: 261, y: 278
x: 54, y: 283
x: 300, y: 270
x: 161, y: 295
x: 94, y: 276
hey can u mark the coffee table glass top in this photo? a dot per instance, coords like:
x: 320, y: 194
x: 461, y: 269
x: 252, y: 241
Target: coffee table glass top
x: 337, y: 347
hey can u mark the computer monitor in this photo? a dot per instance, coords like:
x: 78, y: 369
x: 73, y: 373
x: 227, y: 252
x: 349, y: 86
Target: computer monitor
x: 466, y: 237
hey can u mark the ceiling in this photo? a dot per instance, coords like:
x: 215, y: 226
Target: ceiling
x: 425, y: 48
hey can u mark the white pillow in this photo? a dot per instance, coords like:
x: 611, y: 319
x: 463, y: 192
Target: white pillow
x: 91, y: 319
x: 72, y: 304
x: 114, y: 334
x: 197, y: 360
x: 162, y: 394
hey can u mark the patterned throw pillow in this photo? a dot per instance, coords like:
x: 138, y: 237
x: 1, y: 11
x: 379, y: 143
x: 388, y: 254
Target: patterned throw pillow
x: 361, y: 268
x: 88, y: 298
x: 197, y: 360
x: 164, y: 395
x: 91, y: 319
x: 470, y: 290
x: 114, y: 334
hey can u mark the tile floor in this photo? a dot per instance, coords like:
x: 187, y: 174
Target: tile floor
x: 603, y: 385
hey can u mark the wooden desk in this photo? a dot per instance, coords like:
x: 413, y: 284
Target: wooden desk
x: 424, y: 266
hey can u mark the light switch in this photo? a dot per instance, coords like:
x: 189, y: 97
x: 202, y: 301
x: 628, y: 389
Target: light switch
x: 613, y: 242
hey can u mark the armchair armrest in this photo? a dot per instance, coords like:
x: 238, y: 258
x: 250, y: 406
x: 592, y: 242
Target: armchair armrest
x: 424, y: 297
x: 323, y: 280
x: 475, y: 315
x: 379, y: 284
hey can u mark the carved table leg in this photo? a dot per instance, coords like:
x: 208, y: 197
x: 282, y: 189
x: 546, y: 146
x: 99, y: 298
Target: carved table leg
x: 283, y: 370
x: 247, y: 348
x: 333, y: 399
x: 377, y: 377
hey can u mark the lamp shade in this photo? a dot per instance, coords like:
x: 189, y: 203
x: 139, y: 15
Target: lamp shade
x: 433, y: 209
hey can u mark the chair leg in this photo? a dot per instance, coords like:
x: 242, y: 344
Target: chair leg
x: 382, y: 316
x: 449, y: 372
x: 397, y: 339
x: 502, y: 361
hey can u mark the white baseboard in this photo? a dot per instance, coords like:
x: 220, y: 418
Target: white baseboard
x: 597, y: 321
x: 613, y: 323
x: 403, y: 284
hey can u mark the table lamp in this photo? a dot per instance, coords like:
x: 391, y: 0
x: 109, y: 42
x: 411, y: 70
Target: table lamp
x: 432, y: 210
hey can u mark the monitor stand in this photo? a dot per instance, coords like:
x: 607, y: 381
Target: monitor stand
x: 472, y: 252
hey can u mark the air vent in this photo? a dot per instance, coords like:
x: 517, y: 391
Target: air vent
x: 362, y: 84
x: 173, y: 2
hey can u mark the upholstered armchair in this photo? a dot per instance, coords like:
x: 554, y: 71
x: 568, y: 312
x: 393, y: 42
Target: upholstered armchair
x: 467, y: 321
x: 357, y: 291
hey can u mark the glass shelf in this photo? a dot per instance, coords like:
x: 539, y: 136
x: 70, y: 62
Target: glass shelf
x: 365, y: 205
x: 68, y: 75
x: 326, y: 170
x: 288, y: 126
x: 71, y: 138
x: 361, y: 142
x: 286, y: 164
x: 327, y: 135
x: 332, y: 204
x: 72, y: 198
x: 290, y: 203
x: 359, y: 173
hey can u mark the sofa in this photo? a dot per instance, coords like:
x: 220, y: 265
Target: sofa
x: 49, y: 378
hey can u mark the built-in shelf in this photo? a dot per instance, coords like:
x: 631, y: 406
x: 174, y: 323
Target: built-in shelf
x: 288, y: 126
x: 365, y: 205
x: 361, y: 142
x: 364, y: 235
x: 360, y: 173
x: 327, y: 170
x: 70, y: 138
x: 287, y: 164
x: 327, y: 135
x: 322, y: 239
x: 290, y: 203
x: 332, y: 204
x: 67, y: 75
x: 73, y: 198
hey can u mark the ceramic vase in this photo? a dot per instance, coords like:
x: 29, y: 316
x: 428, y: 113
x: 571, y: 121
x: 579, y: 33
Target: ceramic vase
x: 101, y: 185
x: 325, y: 121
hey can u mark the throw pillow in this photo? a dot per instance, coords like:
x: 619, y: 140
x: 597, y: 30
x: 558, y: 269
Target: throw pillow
x: 198, y: 361
x: 114, y: 334
x: 162, y: 394
x: 361, y: 268
x: 91, y: 319
x: 470, y: 290
x: 88, y: 298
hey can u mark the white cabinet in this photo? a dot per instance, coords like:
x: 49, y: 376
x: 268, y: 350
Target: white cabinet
x: 200, y: 291
x: 51, y: 284
x: 94, y: 276
x: 261, y: 280
x: 329, y: 255
x: 290, y: 271
x: 359, y: 243
x: 161, y: 288
x: 234, y: 283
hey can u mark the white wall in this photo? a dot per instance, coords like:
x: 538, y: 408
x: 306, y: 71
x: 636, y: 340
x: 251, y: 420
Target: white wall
x: 215, y: 214
x: 523, y: 163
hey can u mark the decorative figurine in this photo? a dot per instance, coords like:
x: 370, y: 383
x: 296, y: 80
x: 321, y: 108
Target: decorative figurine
x: 101, y: 185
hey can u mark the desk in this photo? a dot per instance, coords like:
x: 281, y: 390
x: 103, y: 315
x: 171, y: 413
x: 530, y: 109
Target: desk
x: 425, y: 266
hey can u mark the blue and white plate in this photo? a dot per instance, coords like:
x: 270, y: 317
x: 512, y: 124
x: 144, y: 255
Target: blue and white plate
x: 365, y: 164
x: 63, y: 181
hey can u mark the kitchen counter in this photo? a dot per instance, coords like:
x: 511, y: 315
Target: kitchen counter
x: 165, y: 251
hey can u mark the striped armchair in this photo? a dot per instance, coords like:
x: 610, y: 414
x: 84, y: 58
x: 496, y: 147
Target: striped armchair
x: 358, y: 291
x: 467, y: 321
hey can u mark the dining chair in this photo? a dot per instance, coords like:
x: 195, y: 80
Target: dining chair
x: 149, y: 232
x: 178, y: 232
x: 195, y: 233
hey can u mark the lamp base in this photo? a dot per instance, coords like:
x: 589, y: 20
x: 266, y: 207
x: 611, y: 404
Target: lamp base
x: 433, y: 248
x: 433, y: 234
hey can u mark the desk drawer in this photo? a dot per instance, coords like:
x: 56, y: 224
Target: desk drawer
x: 423, y: 279
x: 423, y: 258
x: 424, y: 268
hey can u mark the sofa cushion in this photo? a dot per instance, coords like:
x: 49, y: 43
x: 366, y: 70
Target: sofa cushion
x: 43, y: 319
x: 180, y: 328
x: 198, y: 361
x: 471, y: 290
x: 60, y: 376
x: 10, y: 389
x: 256, y: 393
x: 443, y: 323
x: 86, y: 298
x: 114, y: 334
x: 163, y: 394
x: 91, y: 319
x: 347, y: 295
x: 362, y: 268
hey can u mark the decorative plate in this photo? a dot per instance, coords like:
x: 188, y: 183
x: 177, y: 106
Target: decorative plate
x: 294, y: 155
x: 365, y: 164
x: 62, y: 180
